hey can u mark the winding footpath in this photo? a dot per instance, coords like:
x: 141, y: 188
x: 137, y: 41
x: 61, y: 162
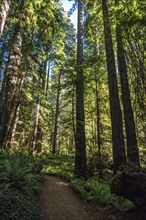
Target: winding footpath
x: 59, y: 202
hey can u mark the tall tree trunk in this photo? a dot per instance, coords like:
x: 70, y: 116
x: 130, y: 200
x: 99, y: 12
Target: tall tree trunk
x: 13, y: 125
x: 4, y: 9
x: 11, y: 79
x: 47, y: 77
x: 98, y: 115
x: 119, y: 156
x: 12, y: 130
x: 80, y: 158
x: 132, y: 148
x: 56, y: 138
x: 35, y: 127
x: 73, y: 114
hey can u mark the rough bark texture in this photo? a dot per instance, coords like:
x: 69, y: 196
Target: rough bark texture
x: 131, y: 185
x: 11, y: 79
x: 119, y: 157
x: 13, y: 125
x: 12, y: 130
x: 132, y: 149
x: 10, y: 85
x: 56, y: 139
x: 4, y: 10
x: 80, y: 159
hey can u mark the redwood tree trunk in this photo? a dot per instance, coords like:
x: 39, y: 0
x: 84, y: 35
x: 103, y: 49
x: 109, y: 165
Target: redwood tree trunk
x: 4, y: 10
x: 119, y: 157
x: 13, y: 125
x: 132, y: 148
x: 80, y: 158
x: 98, y: 116
x: 11, y: 79
x: 12, y: 130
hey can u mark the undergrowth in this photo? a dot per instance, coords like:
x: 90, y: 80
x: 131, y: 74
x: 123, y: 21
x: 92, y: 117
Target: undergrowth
x: 60, y: 165
x: 94, y: 189
x: 97, y: 190
x: 19, y: 185
x: 16, y: 205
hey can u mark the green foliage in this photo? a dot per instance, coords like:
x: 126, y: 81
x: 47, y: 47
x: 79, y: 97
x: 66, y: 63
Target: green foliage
x: 98, y: 190
x: 60, y: 165
x: 18, y: 186
x: 16, y: 171
x: 16, y: 205
x: 98, y: 164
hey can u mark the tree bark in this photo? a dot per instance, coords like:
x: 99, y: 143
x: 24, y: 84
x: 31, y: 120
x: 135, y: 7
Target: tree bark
x: 132, y: 148
x: 12, y: 130
x: 4, y: 10
x: 35, y: 127
x: 56, y: 138
x: 80, y: 158
x: 10, y: 84
x: 119, y: 156
x: 98, y: 116
x: 13, y: 125
x: 73, y: 114
x: 47, y: 77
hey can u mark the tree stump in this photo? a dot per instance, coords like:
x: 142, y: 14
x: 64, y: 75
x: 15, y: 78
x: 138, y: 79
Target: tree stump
x: 131, y: 185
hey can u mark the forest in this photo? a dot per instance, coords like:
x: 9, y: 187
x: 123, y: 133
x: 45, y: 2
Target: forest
x: 73, y: 105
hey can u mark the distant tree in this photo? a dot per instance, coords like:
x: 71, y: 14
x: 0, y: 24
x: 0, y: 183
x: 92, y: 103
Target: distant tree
x: 56, y: 138
x: 35, y: 127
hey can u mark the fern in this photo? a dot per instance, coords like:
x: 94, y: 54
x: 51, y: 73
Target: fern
x: 98, y: 190
x: 18, y: 186
x: 16, y: 172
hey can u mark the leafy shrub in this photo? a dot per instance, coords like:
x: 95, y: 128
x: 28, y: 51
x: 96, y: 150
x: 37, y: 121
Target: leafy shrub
x: 98, y: 190
x: 98, y: 165
x: 17, y: 205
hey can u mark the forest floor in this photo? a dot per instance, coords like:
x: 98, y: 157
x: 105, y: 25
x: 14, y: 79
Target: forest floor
x: 58, y: 201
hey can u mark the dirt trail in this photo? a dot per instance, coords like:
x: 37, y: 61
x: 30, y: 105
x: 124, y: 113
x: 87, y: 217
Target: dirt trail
x: 59, y: 202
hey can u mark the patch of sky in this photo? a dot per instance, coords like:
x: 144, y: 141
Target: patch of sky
x: 67, y: 5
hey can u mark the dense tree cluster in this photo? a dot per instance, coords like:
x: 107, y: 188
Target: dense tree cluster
x: 82, y: 96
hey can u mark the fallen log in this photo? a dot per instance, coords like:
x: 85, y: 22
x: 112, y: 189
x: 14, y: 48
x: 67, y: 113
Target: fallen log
x: 131, y: 185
